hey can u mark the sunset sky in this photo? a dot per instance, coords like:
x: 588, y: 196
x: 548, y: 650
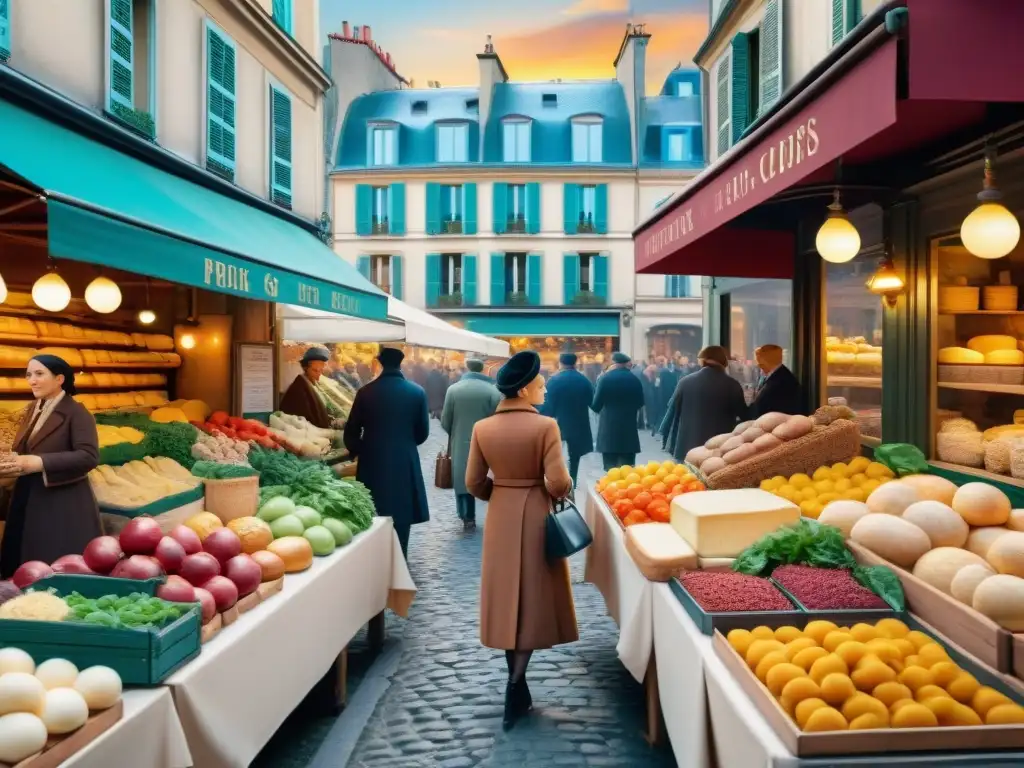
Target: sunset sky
x: 536, y: 39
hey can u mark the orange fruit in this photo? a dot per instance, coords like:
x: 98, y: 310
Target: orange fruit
x: 619, y: 495
x: 634, y: 517
x: 661, y: 474
x: 649, y: 481
x: 631, y: 478
x: 671, y: 479
x: 642, y: 500
x: 693, y: 485
x: 658, y: 511
x: 659, y: 488
x: 623, y: 508
x: 633, y: 490
x: 609, y: 497
x: 678, y: 489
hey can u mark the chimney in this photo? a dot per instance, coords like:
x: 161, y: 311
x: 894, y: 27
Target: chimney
x: 631, y: 72
x: 492, y: 72
x: 346, y: 31
x: 366, y: 33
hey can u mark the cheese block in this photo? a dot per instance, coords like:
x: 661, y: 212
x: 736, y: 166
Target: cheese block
x: 724, y: 523
x: 71, y: 356
x: 868, y: 358
x: 960, y: 355
x: 1004, y: 357
x: 658, y: 551
x: 715, y: 563
x: 991, y: 343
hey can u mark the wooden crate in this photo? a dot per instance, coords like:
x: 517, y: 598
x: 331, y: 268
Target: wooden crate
x: 61, y: 748
x: 211, y: 628
x: 981, y: 637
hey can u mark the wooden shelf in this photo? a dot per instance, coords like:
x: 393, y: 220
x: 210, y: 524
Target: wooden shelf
x: 993, y: 312
x: 980, y: 473
x: 1000, y: 389
x: 863, y: 382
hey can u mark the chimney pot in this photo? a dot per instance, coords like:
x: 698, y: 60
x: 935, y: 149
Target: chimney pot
x: 345, y: 30
x: 366, y: 33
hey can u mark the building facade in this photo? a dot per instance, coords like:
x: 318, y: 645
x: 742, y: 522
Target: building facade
x: 232, y: 86
x: 508, y: 208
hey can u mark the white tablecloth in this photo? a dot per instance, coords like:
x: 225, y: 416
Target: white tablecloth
x: 149, y: 735
x: 627, y: 593
x: 252, y: 675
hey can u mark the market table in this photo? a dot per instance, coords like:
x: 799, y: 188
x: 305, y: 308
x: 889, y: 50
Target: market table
x: 148, y: 735
x: 252, y: 675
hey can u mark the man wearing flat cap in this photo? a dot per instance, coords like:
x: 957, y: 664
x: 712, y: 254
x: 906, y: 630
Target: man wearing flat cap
x: 569, y: 396
x: 707, y: 403
x: 618, y: 399
x: 304, y: 398
x: 388, y: 422
x: 472, y: 398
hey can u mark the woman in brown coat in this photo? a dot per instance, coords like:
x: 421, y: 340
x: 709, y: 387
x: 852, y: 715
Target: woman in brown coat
x: 525, y: 600
x: 53, y: 511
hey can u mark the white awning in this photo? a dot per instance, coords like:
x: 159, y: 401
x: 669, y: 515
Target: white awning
x: 407, y: 324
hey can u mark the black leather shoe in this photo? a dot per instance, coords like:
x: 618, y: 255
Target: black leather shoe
x: 468, y: 526
x: 511, y: 708
x: 525, y: 699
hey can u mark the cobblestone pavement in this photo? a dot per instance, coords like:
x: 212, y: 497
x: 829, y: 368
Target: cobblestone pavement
x: 444, y: 703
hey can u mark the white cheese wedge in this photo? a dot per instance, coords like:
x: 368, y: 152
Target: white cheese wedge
x: 659, y: 551
x: 724, y: 523
x: 715, y: 563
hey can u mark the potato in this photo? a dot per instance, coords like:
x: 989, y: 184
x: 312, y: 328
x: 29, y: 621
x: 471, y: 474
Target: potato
x: 770, y: 421
x: 751, y: 434
x: 742, y: 453
x: 732, y: 443
x: 698, y: 455
x: 742, y: 427
x: 716, y: 441
x: 795, y: 426
x: 712, y: 465
x: 766, y: 443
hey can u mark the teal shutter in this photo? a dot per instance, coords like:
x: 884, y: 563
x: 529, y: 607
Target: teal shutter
x: 220, y: 104
x: 534, y: 276
x: 396, y: 214
x: 532, y: 208
x: 433, y: 192
x: 396, y: 276
x: 668, y: 286
x: 500, y: 207
x: 723, y: 81
x: 771, y: 55
x: 571, y: 204
x: 600, y: 268
x: 601, y: 209
x: 280, y: 148
x: 468, y: 280
x: 497, y: 279
x: 740, y: 115
x: 122, y: 95
x: 282, y: 13
x: 469, y: 209
x: 571, y: 276
x: 433, y: 278
x: 838, y: 21
x: 363, y: 265
x: 364, y: 210
x: 5, y: 30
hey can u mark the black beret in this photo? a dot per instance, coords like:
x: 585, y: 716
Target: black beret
x: 315, y: 353
x: 390, y: 357
x: 567, y: 358
x: 475, y: 365
x: 520, y: 370
x: 620, y: 357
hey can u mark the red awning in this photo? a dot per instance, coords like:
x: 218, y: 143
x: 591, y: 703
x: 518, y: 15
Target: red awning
x: 960, y: 57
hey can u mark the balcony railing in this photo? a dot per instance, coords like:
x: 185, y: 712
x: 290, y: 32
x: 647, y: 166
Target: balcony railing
x: 516, y: 224
x: 585, y: 225
x: 516, y: 299
x: 452, y: 225
x: 380, y: 226
x: 588, y: 299
x: 449, y: 300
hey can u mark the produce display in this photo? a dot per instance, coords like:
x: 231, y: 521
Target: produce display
x: 286, y: 520
x: 311, y: 440
x: 853, y: 480
x: 644, y: 494
x: 214, y: 470
x: 109, y: 436
x: 852, y: 356
x: 50, y: 701
x: 999, y: 449
x: 172, y: 440
x: 721, y: 592
x: 748, y: 440
x: 824, y: 589
x: 868, y: 676
x: 217, y: 448
x: 139, y: 483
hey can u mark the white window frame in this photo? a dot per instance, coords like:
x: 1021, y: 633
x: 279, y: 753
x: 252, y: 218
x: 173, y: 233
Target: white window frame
x: 459, y: 140
x: 456, y: 198
x: 380, y: 271
x: 517, y: 199
x: 587, y: 271
x: 391, y: 130
x: 593, y: 151
x: 454, y: 272
x: 518, y: 259
x: 381, y: 204
x: 513, y: 152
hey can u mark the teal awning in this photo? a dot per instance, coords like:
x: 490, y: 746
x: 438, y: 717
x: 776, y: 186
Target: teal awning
x: 510, y: 324
x: 105, y: 207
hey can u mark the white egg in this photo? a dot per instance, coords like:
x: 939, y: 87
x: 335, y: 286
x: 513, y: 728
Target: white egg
x: 100, y: 687
x: 65, y: 711
x: 21, y: 692
x: 57, y: 673
x: 21, y: 736
x: 15, y: 660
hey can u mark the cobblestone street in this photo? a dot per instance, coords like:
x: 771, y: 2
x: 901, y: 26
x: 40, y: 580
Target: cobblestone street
x: 439, y: 694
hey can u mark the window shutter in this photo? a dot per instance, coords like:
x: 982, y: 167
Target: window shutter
x: 570, y: 276
x: 282, y: 13
x: 724, y: 125
x: 771, y: 55
x: 433, y: 192
x: 601, y: 209
x: 396, y: 276
x: 5, y: 30
x: 363, y: 263
x: 220, y: 105
x: 838, y: 21
x: 534, y: 277
x: 364, y: 210
x: 497, y: 279
x: 740, y: 99
x: 280, y: 148
x: 121, y: 67
x: 500, y: 208
x: 468, y: 279
x: 571, y: 204
x: 600, y: 267
x: 668, y: 286
x: 854, y: 13
x: 433, y: 278
x: 532, y: 208
x: 396, y: 212
x: 469, y: 209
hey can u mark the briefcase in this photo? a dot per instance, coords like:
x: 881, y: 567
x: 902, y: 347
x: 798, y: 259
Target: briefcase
x: 443, y: 469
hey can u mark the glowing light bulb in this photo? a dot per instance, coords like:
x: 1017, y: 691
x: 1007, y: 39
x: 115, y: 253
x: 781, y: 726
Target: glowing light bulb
x: 103, y: 296
x: 147, y: 317
x: 51, y: 293
x: 990, y: 231
x: 187, y: 341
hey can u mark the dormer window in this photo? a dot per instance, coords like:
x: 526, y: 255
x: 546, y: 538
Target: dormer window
x: 684, y: 88
x: 516, y: 145
x: 384, y: 144
x: 419, y: 107
x: 587, y: 139
x: 452, y: 143
x: 473, y: 106
x: 549, y: 99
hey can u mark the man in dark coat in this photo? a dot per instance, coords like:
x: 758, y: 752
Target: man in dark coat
x: 641, y: 417
x: 437, y: 387
x: 569, y: 395
x: 389, y: 420
x: 779, y: 389
x: 617, y: 399
x: 707, y: 403
x: 664, y: 388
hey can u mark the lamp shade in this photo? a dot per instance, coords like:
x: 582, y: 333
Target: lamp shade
x: 147, y: 317
x: 838, y: 241
x: 51, y: 293
x: 990, y: 231
x: 103, y: 296
x: 3, y: 290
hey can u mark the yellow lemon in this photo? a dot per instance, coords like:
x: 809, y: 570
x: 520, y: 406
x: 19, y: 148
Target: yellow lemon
x: 781, y: 674
x: 868, y: 721
x: 963, y: 687
x: 919, y: 639
x: 897, y: 706
x: 859, y: 463
x: 943, y: 708
x: 834, y: 639
x: 740, y: 640
x: 806, y: 708
x: 836, y: 688
x: 891, y: 692
x: 808, y: 657
x: 985, y: 698
x: 892, y: 628
x: 759, y: 649
x: 614, y: 474
x: 867, y: 677
x: 800, y: 480
x: 765, y: 665
x: 883, y: 649
x: 914, y: 715
x: 763, y: 633
x: 851, y: 652
x: 877, y: 471
x: 825, y: 666
x: 855, y: 494
x: 904, y: 646
x: 932, y: 653
x: 944, y: 672
x: 793, y: 647
x: 668, y: 465
x: 632, y: 477
x: 863, y: 632
x: 915, y: 677
x: 811, y: 508
x: 798, y: 689
x: 1005, y: 714
x: 787, y: 634
x: 824, y: 486
x: 826, y: 719
x: 817, y: 629
x: 926, y: 692
x: 625, y: 471
x: 862, y: 704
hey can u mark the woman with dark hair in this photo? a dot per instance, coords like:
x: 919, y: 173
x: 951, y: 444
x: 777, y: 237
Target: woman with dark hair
x: 53, y: 511
x: 525, y: 599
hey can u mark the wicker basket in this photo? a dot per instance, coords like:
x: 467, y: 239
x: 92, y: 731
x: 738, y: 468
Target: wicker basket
x: 959, y: 298
x: 999, y: 298
x: 234, y: 498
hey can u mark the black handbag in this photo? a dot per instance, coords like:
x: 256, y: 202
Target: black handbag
x: 567, y: 532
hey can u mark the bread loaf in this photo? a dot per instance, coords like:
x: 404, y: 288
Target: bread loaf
x: 659, y: 552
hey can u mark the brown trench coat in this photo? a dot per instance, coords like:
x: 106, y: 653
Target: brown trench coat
x: 525, y: 601
x: 58, y: 515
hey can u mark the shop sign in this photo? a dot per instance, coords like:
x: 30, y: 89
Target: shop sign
x: 807, y: 142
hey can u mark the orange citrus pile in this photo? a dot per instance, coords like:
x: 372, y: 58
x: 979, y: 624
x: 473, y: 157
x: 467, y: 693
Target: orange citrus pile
x: 644, y: 494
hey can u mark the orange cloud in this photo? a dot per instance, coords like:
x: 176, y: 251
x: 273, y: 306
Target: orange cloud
x: 587, y: 7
